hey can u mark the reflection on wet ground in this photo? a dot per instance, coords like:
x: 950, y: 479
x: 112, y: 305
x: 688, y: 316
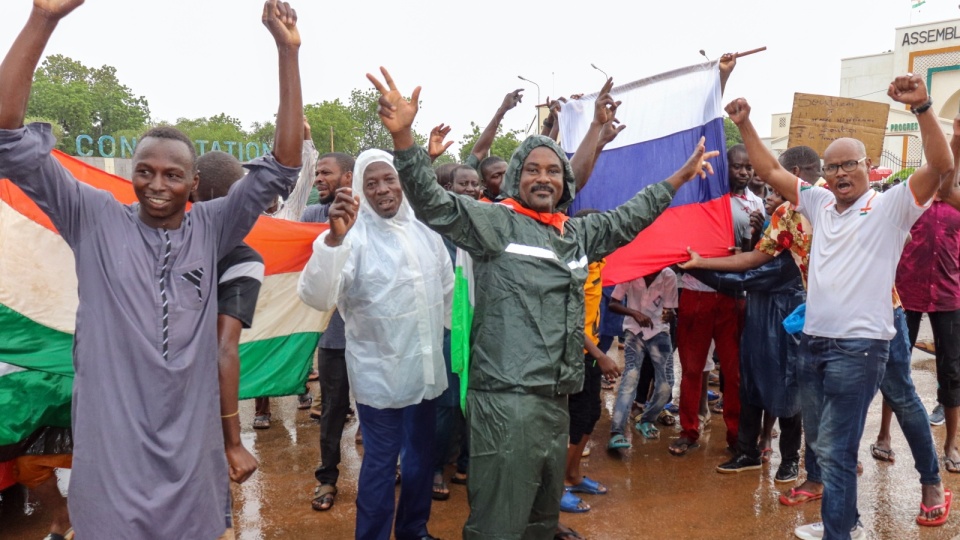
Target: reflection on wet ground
x: 653, y: 495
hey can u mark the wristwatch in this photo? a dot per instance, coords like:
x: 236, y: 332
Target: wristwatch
x: 922, y: 108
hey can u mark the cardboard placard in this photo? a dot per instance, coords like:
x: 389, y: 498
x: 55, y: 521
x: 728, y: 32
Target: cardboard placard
x: 816, y: 121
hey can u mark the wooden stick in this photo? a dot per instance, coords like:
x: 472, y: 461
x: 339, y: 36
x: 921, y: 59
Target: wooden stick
x: 747, y: 53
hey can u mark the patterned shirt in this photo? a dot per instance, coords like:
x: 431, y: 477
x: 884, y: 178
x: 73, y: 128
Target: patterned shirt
x: 929, y: 269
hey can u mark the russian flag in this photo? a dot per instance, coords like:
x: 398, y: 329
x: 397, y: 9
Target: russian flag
x: 665, y: 116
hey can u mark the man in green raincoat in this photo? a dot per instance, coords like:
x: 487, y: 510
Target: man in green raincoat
x: 530, y: 264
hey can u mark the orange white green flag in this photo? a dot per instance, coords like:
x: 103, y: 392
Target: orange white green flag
x: 38, y: 305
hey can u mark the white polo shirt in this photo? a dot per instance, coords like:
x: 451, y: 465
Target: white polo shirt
x: 853, y: 259
x: 651, y: 301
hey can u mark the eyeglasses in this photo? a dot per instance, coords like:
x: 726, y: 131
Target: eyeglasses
x: 847, y: 166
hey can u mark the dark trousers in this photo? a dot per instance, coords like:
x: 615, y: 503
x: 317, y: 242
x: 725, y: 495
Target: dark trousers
x: 751, y: 425
x: 946, y: 341
x: 334, y: 402
x: 387, y: 432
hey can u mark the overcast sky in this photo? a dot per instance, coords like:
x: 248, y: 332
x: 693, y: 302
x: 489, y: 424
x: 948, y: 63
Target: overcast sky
x: 193, y: 58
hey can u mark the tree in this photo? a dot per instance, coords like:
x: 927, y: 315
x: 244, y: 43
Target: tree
x: 731, y: 132
x: 215, y: 133
x: 334, y: 114
x: 504, y: 144
x: 84, y: 100
x: 371, y: 133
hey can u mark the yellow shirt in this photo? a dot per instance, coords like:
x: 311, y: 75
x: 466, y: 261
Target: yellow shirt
x: 592, y: 294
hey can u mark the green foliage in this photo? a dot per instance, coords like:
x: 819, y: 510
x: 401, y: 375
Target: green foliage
x: 220, y: 128
x: 902, y: 174
x: 445, y: 157
x: 731, y: 132
x: 86, y: 100
x: 345, y: 129
x: 504, y: 144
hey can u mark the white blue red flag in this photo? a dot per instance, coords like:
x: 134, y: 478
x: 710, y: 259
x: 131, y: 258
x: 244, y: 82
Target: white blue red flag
x: 665, y: 115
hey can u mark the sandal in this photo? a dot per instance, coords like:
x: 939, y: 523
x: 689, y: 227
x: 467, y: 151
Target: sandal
x: 261, y: 421
x: 572, y: 504
x: 588, y: 486
x: 324, y: 496
x: 459, y: 478
x: 717, y: 408
x: 882, y: 454
x: 648, y: 430
x: 936, y: 522
x: 681, y: 446
x: 666, y: 419
x: 618, y: 441
x: 440, y: 490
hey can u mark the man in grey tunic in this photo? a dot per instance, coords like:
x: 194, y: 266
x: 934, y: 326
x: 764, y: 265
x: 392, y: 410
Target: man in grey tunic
x: 149, y: 458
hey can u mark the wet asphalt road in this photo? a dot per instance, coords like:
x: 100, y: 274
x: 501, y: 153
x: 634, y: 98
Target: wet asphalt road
x: 653, y: 495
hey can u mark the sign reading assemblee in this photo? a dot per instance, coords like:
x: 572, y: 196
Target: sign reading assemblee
x: 930, y: 36
x: 109, y: 146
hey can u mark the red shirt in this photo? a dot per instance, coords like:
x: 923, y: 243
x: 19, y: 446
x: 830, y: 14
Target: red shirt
x: 928, y: 276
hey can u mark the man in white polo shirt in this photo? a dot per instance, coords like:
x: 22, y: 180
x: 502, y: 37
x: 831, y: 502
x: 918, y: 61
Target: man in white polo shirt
x: 853, y: 260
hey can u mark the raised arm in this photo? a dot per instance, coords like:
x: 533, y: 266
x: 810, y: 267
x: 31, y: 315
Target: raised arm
x: 949, y: 190
x: 910, y: 90
x: 727, y: 62
x: 469, y: 224
x: 604, y: 112
x: 482, y: 147
x: 281, y: 20
x: 297, y: 201
x: 16, y: 71
x: 764, y: 163
x: 237, y: 212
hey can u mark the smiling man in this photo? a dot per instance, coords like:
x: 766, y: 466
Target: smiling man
x: 860, y: 235
x: 149, y: 457
x: 530, y: 266
x: 391, y: 279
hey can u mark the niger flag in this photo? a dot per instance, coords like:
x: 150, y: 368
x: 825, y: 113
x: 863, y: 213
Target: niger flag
x: 38, y: 306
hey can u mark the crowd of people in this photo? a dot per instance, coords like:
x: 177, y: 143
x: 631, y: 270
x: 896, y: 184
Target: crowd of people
x: 812, y: 241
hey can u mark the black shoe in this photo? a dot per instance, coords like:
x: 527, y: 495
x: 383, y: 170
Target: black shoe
x: 741, y: 462
x: 787, y: 472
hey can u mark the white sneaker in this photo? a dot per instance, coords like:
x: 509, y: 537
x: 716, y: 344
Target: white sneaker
x: 814, y: 531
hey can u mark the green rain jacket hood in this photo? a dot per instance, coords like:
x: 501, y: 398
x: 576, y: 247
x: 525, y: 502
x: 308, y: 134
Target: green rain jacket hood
x: 527, y: 333
x: 511, y: 180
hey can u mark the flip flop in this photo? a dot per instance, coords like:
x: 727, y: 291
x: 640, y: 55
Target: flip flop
x: 566, y: 533
x: 572, y: 504
x: 952, y: 466
x: 947, y: 499
x: 784, y: 500
x: 459, y: 478
x: 588, y: 486
x: 881, y: 454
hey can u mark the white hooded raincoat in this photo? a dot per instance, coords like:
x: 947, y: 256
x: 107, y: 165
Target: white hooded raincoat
x: 392, y: 281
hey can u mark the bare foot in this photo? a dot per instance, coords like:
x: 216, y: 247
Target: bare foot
x: 931, y: 498
x: 951, y: 460
x: 804, y: 492
x: 881, y: 450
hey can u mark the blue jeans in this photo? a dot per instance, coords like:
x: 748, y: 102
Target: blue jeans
x: 838, y: 380
x: 900, y: 394
x: 660, y: 351
x: 385, y: 433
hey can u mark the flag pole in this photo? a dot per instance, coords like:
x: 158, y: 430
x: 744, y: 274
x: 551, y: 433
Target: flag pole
x: 748, y: 53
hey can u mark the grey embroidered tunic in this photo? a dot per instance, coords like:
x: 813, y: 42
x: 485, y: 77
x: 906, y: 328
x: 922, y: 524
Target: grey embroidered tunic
x: 148, y: 446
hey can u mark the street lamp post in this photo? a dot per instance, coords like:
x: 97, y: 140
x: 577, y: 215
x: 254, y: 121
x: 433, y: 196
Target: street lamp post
x: 522, y: 78
x: 594, y: 66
